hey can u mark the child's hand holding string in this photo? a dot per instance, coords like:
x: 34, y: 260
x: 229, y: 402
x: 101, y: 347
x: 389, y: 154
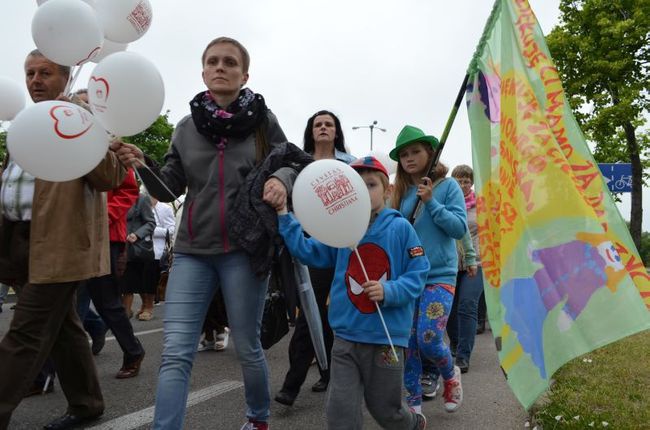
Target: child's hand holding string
x: 374, y: 290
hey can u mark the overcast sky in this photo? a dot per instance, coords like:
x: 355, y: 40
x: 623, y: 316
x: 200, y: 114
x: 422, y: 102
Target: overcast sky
x: 396, y: 62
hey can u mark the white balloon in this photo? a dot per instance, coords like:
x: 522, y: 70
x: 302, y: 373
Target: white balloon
x: 67, y: 32
x: 331, y: 201
x: 12, y: 99
x: 124, y: 20
x: 109, y: 47
x: 90, y: 2
x: 126, y: 93
x: 384, y: 159
x: 56, y: 141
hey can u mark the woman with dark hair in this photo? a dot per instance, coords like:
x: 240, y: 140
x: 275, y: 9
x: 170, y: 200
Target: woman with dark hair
x: 229, y: 134
x: 323, y: 139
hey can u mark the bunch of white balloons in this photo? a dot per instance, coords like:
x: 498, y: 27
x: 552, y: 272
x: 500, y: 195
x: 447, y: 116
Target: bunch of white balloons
x: 12, y: 99
x: 59, y: 141
x: 73, y: 32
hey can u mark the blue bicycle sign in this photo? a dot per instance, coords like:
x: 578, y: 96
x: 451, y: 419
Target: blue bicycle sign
x: 618, y: 176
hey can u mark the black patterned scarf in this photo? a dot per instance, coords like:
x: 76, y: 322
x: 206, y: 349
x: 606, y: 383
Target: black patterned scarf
x: 239, y: 119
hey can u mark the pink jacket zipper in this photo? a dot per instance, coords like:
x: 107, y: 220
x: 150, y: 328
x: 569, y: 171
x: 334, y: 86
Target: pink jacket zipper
x: 222, y: 198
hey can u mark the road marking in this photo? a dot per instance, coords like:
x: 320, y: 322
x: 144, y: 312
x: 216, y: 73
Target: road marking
x: 155, y: 330
x: 145, y: 416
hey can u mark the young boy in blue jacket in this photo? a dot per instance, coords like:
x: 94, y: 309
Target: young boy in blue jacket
x: 363, y: 365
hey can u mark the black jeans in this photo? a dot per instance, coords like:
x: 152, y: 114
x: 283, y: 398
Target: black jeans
x: 105, y: 294
x: 301, y: 351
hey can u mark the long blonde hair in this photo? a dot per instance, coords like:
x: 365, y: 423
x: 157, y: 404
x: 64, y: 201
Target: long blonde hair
x: 403, y: 180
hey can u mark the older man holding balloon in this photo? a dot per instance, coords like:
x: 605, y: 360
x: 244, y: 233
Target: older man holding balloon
x: 53, y: 235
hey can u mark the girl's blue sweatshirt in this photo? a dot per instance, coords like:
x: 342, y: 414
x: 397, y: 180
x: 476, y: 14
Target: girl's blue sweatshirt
x: 441, y: 222
x: 391, y: 253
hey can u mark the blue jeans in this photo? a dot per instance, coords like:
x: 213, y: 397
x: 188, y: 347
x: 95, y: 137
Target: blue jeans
x: 192, y: 282
x: 464, y: 315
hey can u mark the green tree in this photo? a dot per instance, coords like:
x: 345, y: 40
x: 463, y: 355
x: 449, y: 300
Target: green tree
x: 155, y: 140
x: 602, y: 51
x: 644, y: 248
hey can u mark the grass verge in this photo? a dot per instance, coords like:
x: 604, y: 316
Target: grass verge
x: 607, y: 388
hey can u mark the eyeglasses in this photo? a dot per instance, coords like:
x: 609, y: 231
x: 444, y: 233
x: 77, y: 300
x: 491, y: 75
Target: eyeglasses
x: 464, y: 181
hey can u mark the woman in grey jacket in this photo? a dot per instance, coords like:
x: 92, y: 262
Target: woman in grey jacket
x: 140, y: 225
x: 229, y: 131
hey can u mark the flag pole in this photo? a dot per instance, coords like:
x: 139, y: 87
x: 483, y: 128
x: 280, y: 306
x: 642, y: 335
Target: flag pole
x: 443, y: 140
x: 459, y: 98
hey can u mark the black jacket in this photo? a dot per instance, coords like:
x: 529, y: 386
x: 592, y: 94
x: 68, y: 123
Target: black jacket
x: 254, y: 224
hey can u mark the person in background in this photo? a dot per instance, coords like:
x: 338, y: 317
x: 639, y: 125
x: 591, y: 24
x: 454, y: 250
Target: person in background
x: 164, y: 231
x: 482, y: 314
x: 215, y: 327
x: 439, y: 222
x: 140, y: 224
x: 229, y: 132
x: 323, y: 139
x: 363, y: 365
x: 53, y: 236
x: 4, y: 292
x: 105, y: 291
x: 462, y: 323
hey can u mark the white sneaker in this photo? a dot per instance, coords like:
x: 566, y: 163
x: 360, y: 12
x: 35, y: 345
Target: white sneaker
x: 453, y: 394
x: 221, y: 341
x: 206, y: 345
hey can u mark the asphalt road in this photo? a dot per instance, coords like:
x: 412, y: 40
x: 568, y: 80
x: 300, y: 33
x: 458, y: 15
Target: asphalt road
x: 216, y: 395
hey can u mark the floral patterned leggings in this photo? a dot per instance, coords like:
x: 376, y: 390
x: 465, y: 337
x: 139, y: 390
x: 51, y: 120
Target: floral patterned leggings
x: 427, y: 339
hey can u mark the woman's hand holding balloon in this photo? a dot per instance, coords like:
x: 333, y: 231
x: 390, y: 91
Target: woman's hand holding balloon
x: 129, y: 154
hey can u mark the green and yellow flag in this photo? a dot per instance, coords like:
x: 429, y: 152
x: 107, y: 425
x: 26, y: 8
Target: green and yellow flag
x: 562, y: 275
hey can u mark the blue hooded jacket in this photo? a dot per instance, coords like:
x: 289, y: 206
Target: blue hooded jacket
x: 391, y: 253
x: 441, y: 222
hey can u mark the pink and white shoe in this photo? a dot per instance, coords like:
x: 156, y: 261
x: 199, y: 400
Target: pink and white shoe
x: 255, y: 425
x: 453, y: 395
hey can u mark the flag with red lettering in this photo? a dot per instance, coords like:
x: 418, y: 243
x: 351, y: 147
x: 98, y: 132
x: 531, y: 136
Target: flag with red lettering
x: 562, y: 275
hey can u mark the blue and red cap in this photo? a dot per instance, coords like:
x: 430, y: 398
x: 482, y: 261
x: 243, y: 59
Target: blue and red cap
x: 369, y: 162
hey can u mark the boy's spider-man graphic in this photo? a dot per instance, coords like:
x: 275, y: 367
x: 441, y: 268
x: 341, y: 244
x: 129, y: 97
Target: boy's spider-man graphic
x: 377, y: 265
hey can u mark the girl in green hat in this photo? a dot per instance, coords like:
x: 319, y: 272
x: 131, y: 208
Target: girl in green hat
x: 440, y: 221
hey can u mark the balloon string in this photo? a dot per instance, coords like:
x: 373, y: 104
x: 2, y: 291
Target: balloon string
x: 112, y: 137
x: 155, y: 176
x: 381, y: 316
x: 72, y: 80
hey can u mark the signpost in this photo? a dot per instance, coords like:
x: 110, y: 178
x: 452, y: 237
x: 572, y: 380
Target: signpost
x: 618, y: 176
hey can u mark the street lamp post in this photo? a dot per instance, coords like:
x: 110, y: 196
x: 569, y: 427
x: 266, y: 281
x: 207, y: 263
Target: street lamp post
x: 371, y: 127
